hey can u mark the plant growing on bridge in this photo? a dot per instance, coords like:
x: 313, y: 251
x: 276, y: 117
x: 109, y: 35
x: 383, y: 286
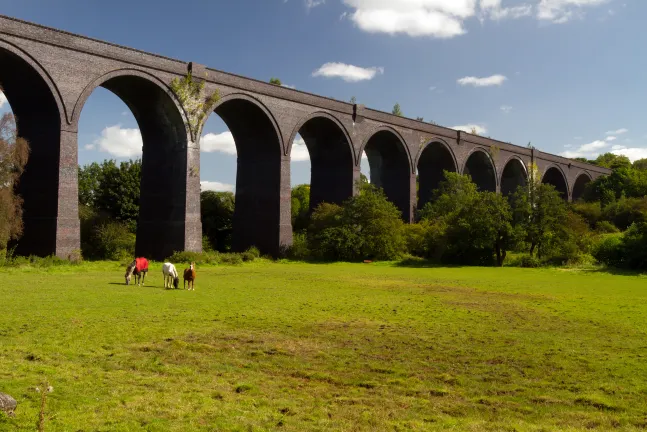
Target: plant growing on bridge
x: 275, y: 81
x: 195, y: 102
x: 396, y: 110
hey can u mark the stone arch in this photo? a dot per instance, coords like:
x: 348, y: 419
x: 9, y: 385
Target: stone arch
x: 514, y: 174
x: 581, y: 181
x: 260, y: 184
x: 165, y: 159
x: 432, y: 160
x: 390, y: 164
x: 556, y: 177
x: 332, y: 157
x: 480, y: 166
x: 113, y: 76
x: 48, y: 185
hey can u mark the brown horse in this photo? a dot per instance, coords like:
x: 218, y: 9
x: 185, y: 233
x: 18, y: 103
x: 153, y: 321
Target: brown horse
x: 189, y: 276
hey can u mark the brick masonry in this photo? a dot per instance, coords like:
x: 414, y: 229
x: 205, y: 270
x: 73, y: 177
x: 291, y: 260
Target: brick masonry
x: 48, y: 75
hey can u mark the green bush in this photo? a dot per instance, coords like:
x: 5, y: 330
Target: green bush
x: 591, y: 212
x: 231, y: 258
x: 608, y: 250
x: 368, y: 225
x: 606, y: 227
x: 299, y: 249
x: 415, y: 237
x: 634, y: 247
x: 114, y: 241
x: 626, y: 211
x: 527, y: 261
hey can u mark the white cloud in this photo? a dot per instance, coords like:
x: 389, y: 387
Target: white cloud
x: 299, y: 150
x: 561, y: 11
x: 222, y: 142
x: 446, y: 18
x: 633, y: 153
x: 493, y: 10
x: 494, y: 80
x: 348, y: 73
x: 288, y: 86
x: 618, y: 132
x: 611, y: 138
x: 119, y: 142
x: 578, y: 138
x: 590, y: 150
x: 89, y: 147
x: 506, y: 108
x: 3, y: 99
x: 468, y: 128
x: 216, y: 186
x: 314, y: 3
x: 432, y: 88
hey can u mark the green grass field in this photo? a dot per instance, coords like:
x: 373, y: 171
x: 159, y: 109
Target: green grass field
x: 343, y: 347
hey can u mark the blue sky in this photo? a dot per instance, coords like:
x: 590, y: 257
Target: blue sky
x: 567, y: 75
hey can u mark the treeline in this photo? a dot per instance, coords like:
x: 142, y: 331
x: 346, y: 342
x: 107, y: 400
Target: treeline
x: 461, y: 225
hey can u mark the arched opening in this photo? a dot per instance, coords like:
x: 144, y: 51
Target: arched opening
x: 434, y: 160
x: 390, y: 170
x: 164, y: 224
x: 331, y: 161
x: 514, y: 175
x: 554, y: 176
x: 109, y: 143
x: 479, y: 166
x: 38, y: 121
x: 580, y: 186
x: 259, y: 187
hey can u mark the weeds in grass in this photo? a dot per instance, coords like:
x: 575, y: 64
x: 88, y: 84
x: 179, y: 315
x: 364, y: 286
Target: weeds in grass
x: 43, y: 390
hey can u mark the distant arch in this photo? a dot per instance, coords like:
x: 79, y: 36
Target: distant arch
x: 480, y: 167
x: 332, y: 157
x: 579, y: 187
x: 432, y: 160
x: 556, y: 177
x: 324, y: 115
x: 390, y: 164
x: 514, y: 174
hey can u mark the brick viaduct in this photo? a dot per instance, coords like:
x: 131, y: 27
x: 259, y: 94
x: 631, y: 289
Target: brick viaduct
x: 47, y: 75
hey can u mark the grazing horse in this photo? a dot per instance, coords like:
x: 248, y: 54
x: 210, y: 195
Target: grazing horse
x: 138, y: 268
x: 170, y: 275
x: 189, y: 276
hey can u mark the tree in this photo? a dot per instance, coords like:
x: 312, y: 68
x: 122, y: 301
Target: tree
x: 89, y: 183
x: 300, y: 207
x: 368, y: 225
x: 118, y: 191
x: 640, y: 164
x: 627, y: 182
x: 612, y: 161
x: 481, y: 230
x: 353, y: 100
x: 452, y: 195
x: 217, y: 212
x: 275, y: 81
x: 396, y: 110
x: 539, y: 211
x: 14, y: 153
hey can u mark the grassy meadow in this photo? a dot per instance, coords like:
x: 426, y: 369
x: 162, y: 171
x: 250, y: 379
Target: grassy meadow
x: 340, y: 347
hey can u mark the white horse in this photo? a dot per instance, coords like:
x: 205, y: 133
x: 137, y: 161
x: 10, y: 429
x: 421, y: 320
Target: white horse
x: 170, y: 275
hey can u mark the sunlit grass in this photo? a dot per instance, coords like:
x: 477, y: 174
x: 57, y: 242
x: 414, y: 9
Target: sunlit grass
x: 290, y: 346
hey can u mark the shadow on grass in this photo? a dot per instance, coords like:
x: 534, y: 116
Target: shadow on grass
x: 615, y: 271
